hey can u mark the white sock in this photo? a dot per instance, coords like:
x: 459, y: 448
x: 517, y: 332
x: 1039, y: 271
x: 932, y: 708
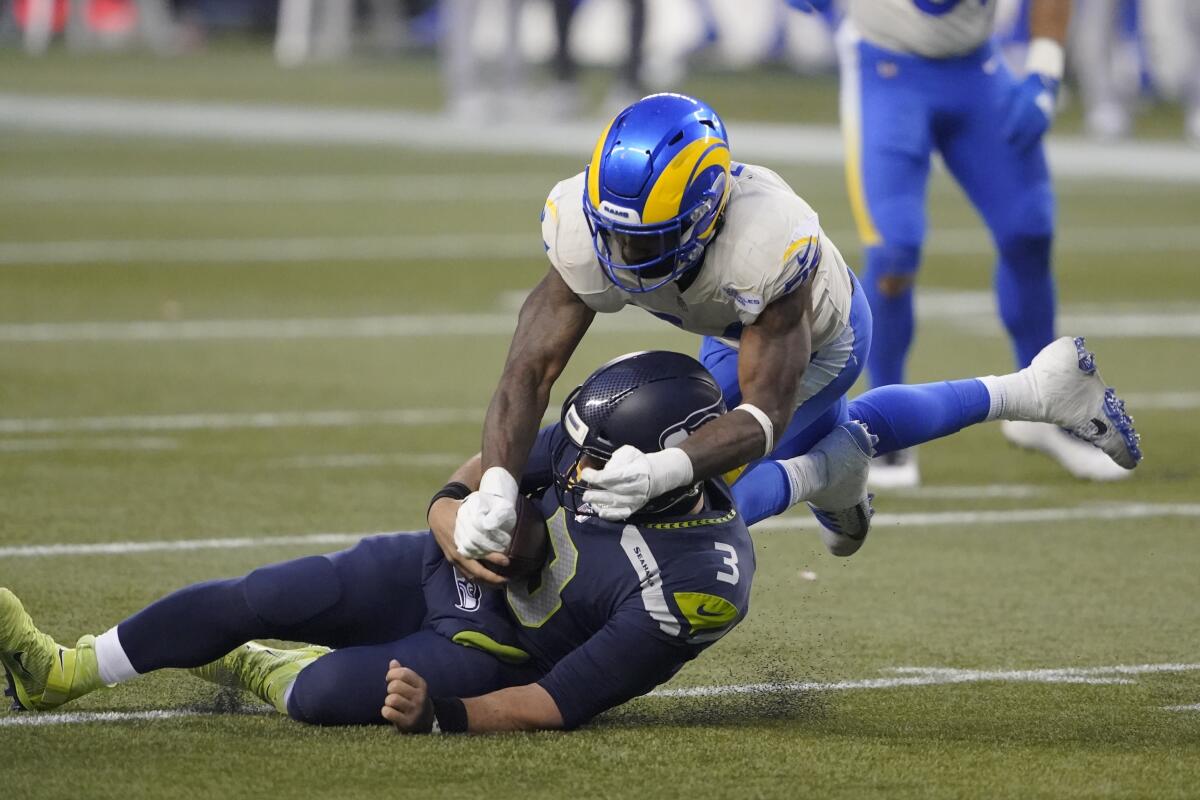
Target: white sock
x: 806, y: 476
x: 1012, y: 397
x: 111, y: 659
x: 287, y: 696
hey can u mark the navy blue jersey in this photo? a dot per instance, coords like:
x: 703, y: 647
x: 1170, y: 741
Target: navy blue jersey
x: 618, y: 608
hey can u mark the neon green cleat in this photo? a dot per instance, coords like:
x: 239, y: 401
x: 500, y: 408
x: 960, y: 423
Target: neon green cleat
x: 265, y: 672
x: 41, y: 673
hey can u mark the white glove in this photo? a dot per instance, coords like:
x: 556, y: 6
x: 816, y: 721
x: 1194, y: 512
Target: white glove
x: 487, y: 517
x: 632, y: 478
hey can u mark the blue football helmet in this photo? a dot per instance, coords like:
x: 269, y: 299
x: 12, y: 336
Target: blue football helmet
x: 656, y: 186
x: 651, y: 400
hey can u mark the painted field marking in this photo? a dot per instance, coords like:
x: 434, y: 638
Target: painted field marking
x: 1192, y: 707
x: 939, y: 676
x: 409, y: 188
x: 925, y: 676
x: 239, y: 421
x: 399, y: 326
x: 1097, y: 511
x: 361, y: 460
x: 985, y: 492
x: 772, y: 143
x: 117, y: 443
x: 300, y: 249
x: 491, y: 246
x: 920, y: 520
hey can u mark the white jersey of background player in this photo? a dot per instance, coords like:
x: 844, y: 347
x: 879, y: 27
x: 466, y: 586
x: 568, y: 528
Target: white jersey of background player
x: 930, y: 28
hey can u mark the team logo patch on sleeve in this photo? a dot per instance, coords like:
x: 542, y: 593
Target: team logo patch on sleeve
x: 705, y: 612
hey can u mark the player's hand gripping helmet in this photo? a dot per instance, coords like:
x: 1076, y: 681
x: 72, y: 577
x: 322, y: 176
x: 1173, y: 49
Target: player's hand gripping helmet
x: 656, y: 186
x: 651, y: 400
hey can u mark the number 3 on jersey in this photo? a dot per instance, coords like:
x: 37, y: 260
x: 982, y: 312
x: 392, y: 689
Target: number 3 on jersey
x: 731, y: 561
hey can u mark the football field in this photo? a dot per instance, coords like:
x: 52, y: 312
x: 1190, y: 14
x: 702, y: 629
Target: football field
x: 218, y: 354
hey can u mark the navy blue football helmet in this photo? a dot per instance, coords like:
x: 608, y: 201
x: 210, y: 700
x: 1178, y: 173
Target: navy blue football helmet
x: 656, y: 186
x: 651, y: 400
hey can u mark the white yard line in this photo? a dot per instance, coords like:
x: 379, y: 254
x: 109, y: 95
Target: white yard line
x: 1192, y: 707
x: 933, y: 676
x: 184, y: 545
x: 938, y: 676
x: 361, y: 460
x: 252, y: 420
x: 25, y: 720
x: 118, y: 443
x: 1098, y: 511
x: 509, y: 246
x: 990, y: 491
x: 225, y: 189
x: 292, y: 250
x: 930, y: 519
x: 771, y: 143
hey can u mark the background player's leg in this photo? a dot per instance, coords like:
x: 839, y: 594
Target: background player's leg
x: 369, y: 593
x: 1012, y: 190
x: 347, y: 687
x: 887, y: 136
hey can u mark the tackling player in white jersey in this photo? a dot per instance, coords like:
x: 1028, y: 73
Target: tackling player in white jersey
x: 663, y: 219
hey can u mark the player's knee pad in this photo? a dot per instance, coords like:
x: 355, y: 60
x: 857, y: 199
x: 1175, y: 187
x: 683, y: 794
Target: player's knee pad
x: 891, y: 268
x: 292, y: 592
x: 1026, y: 253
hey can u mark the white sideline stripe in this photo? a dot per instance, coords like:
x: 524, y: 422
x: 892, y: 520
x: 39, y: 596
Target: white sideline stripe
x: 936, y: 676
x: 430, y: 247
x: 1006, y: 490
x: 1101, y: 511
x: 259, y: 420
x: 962, y: 518
x: 134, y: 548
x: 118, y: 443
x: 771, y: 143
x: 1168, y: 401
x: 359, y: 460
x: 925, y: 677
x: 412, y: 247
x: 189, y: 189
x: 86, y: 717
x: 394, y: 326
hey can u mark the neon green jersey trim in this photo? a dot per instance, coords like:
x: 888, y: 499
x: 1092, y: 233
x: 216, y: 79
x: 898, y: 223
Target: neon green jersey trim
x: 479, y: 641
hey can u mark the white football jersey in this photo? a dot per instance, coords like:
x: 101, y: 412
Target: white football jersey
x: 770, y: 242
x: 931, y: 28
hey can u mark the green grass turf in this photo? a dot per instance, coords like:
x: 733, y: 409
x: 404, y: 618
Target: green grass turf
x: 992, y: 597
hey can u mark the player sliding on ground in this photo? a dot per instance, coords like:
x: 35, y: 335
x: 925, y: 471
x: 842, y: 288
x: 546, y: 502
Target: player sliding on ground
x: 664, y: 220
x: 616, y: 610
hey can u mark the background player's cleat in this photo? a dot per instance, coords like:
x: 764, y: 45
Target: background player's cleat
x: 844, y: 508
x: 41, y: 673
x: 1079, y: 458
x: 265, y: 672
x: 895, y: 470
x: 1069, y: 393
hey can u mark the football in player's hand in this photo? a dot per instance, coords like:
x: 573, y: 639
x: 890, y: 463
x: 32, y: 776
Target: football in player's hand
x: 527, y: 550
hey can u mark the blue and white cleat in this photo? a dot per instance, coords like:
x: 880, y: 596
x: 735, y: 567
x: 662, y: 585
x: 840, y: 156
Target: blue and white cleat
x: 1070, y: 393
x: 844, y: 507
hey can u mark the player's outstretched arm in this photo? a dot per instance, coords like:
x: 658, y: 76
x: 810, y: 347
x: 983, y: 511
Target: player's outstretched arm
x: 551, y: 324
x: 771, y: 360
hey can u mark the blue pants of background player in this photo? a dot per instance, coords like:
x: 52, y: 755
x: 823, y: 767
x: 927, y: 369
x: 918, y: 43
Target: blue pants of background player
x: 896, y: 110
x: 901, y: 416
x: 368, y: 601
